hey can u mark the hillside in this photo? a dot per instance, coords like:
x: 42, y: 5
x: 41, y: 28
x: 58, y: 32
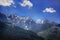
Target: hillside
x: 52, y: 33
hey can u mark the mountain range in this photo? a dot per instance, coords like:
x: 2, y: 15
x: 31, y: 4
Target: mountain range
x: 28, y: 23
x: 14, y: 27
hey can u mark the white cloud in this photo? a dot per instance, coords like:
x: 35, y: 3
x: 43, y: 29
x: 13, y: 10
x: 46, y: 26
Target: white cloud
x: 26, y: 3
x: 6, y: 2
x: 50, y: 10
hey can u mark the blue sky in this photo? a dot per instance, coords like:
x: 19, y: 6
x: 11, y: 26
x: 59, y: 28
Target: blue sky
x: 36, y: 9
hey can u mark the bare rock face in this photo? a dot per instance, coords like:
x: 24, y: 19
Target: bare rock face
x: 3, y: 17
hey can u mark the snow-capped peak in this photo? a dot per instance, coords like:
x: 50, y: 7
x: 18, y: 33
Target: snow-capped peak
x: 39, y: 21
x: 26, y: 28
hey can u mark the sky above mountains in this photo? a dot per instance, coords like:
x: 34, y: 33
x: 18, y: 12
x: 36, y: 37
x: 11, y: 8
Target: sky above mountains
x: 36, y: 9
